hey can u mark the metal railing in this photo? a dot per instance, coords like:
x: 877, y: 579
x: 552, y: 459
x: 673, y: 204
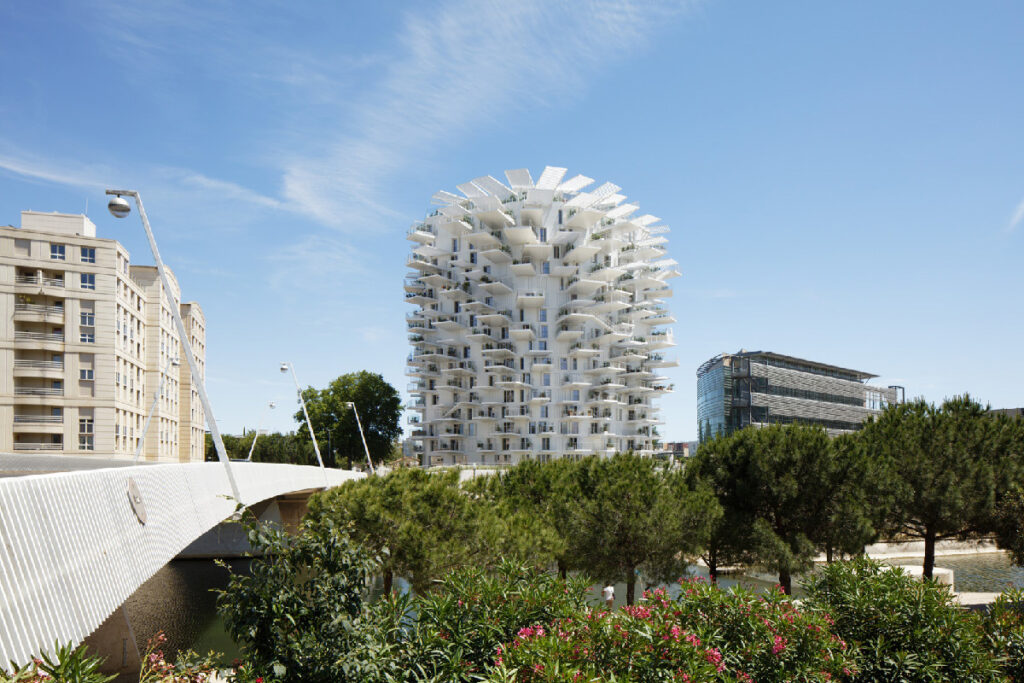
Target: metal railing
x: 39, y: 419
x: 37, y: 391
x: 37, y: 446
x: 34, y: 280
x: 39, y: 364
x: 39, y: 308
x: 38, y: 336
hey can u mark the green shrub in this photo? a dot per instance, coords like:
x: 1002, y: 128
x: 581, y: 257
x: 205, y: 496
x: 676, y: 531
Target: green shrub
x: 1004, y: 629
x: 453, y: 632
x: 705, y: 635
x: 68, y: 664
x: 295, y: 614
x: 904, y: 629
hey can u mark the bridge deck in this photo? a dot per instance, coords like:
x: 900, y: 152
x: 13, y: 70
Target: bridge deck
x: 72, y: 549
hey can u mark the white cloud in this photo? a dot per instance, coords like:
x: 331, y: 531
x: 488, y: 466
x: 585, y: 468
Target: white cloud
x: 71, y: 174
x: 460, y: 66
x: 1017, y: 218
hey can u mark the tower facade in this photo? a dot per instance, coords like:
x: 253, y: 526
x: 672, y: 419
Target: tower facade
x: 540, y: 322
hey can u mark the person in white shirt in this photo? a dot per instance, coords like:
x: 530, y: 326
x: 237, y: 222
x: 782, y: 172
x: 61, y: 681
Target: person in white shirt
x: 608, y: 592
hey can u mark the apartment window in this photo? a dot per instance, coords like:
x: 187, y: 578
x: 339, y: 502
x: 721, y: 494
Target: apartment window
x: 559, y: 216
x: 563, y: 363
x: 542, y: 315
x: 543, y: 331
x: 85, y: 374
x: 88, y: 280
x: 57, y: 252
x: 87, y: 338
x: 545, y: 443
x: 85, y: 434
x: 542, y: 345
x: 546, y: 379
x: 545, y: 268
x: 88, y: 318
x: 574, y: 395
x: 542, y: 234
x: 88, y: 255
x: 472, y: 257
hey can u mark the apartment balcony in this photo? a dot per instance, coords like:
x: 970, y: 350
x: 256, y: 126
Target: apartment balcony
x: 44, y: 392
x: 541, y: 364
x: 494, y: 287
x: 659, y: 361
x: 413, y: 285
x: 529, y: 299
x: 34, y: 283
x: 581, y: 253
x: 421, y: 233
x: 38, y: 368
x: 481, y: 334
x: 499, y: 256
x: 580, y: 350
x: 605, y: 273
x: 35, y: 424
x: 498, y: 350
x: 484, y: 240
x: 423, y: 298
x: 569, y: 333
x: 31, y: 337
x: 38, y: 446
x: 523, y: 268
x: 570, y: 382
x: 449, y: 323
x: 522, y: 333
x: 540, y: 396
x: 496, y: 318
x: 38, y: 313
x: 538, y: 250
x: 422, y: 264
x: 660, y: 339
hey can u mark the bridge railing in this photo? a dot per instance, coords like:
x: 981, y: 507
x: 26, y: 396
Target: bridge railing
x: 73, y: 545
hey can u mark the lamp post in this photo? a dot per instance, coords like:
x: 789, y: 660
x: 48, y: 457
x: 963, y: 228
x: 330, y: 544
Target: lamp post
x: 359, y: 424
x: 120, y: 208
x: 270, y: 406
x: 152, y: 408
x: 285, y: 367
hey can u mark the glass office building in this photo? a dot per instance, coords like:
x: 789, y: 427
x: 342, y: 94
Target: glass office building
x: 761, y: 387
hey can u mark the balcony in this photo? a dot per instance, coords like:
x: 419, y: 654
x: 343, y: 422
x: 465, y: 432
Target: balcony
x: 38, y: 312
x: 421, y: 233
x: 522, y: 332
x: 25, y: 335
x: 38, y: 446
x: 34, y: 281
x: 38, y: 391
x: 529, y: 299
x: 421, y: 264
x: 38, y: 368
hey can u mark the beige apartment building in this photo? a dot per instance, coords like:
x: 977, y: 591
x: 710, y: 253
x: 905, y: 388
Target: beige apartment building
x: 86, y: 341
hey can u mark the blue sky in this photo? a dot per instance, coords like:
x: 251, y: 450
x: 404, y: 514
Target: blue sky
x: 844, y: 181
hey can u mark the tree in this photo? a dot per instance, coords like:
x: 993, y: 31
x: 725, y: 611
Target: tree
x: 945, y: 464
x: 275, y: 447
x: 335, y: 425
x: 728, y: 541
x: 857, y: 498
x: 632, y: 517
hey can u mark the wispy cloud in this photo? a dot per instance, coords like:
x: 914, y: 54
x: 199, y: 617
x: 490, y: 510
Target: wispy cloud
x: 460, y: 66
x: 1017, y: 218
x: 314, y: 261
x: 70, y: 174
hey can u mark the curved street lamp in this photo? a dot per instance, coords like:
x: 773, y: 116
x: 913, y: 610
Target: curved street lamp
x: 285, y: 367
x: 270, y: 406
x: 120, y: 208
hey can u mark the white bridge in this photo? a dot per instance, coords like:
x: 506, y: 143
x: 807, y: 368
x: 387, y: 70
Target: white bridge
x: 75, y: 545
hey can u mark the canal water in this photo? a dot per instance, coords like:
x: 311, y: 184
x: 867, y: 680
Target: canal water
x: 179, y: 600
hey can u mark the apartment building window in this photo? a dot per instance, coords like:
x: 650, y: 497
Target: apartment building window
x: 88, y: 280
x: 57, y: 252
x: 85, y: 374
x: 88, y: 255
x: 545, y: 443
x: 542, y: 345
x: 546, y: 379
x: 543, y: 331
x: 85, y: 434
x: 542, y: 234
x: 88, y: 318
x: 542, y: 315
x: 87, y: 337
x: 545, y: 268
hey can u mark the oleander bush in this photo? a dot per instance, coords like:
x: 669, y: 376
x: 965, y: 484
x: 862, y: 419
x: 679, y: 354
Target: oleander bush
x: 453, y: 632
x: 903, y: 629
x: 1004, y: 629
x: 706, y: 634
x: 67, y: 664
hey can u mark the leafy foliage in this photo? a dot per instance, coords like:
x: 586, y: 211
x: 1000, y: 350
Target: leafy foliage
x: 336, y: 426
x: 1003, y: 623
x: 67, y: 664
x: 705, y: 635
x: 295, y: 614
x: 904, y: 629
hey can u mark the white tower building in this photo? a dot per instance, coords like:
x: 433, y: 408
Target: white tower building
x: 541, y: 322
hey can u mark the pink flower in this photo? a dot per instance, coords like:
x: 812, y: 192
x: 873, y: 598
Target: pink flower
x: 779, y: 646
x: 714, y: 657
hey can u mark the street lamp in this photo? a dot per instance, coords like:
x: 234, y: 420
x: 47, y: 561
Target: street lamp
x: 152, y: 408
x: 359, y: 424
x: 285, y: 367
x: 270, y: 406
x: 120, y: 208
